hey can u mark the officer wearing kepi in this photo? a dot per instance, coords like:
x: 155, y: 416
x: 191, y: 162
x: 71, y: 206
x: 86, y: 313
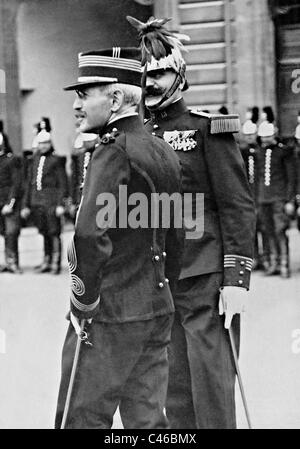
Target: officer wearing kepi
x: 202, y: 375
x: 10, y: 199
x: 124, y: 261
x: 277, y: 188
x: 45, y: 195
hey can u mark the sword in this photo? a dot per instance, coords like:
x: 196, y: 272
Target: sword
x: 82, y: 337
x: 238, y: 373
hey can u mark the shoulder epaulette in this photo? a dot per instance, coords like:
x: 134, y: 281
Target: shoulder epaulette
x: 220, y: 123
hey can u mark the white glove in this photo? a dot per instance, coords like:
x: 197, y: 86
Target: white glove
x: 289, y: 209
x: 6, y: 209
x: 59, y: 211
x: 232, y: 300
x: 75, y: 322
x: 25, y: 213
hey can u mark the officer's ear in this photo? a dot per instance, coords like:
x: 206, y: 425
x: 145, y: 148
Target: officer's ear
x: 117, y: 100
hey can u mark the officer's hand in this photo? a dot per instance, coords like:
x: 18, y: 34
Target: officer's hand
x: 76, y: 324
x: 289, y: 209
x: 72, y: 210
x: 232, y: 300
x: 6, y: 209
x: 59, y: 211
x: 25, y: 212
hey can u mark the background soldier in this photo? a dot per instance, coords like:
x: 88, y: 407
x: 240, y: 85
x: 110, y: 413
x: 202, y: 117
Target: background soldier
x: 10, y: 197
x: 276, y: 196
x: 202, y: 374
x: 46, y: 192
x: 84, y: 146
x: 297, y: 141
x: 119, y: 270
x: 249, y: 149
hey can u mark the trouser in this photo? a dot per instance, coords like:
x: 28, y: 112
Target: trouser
x: 202, y: 375
x: 276, y: 222
x: 49, y: 226
x: 10, y: 229
x: 126, y: 367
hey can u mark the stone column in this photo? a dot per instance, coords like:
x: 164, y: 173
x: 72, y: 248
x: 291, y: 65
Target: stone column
x: 9, y: 76
x: 256, y: 61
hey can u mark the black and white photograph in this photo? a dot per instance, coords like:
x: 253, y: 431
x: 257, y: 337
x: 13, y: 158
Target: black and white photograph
x: 150, y: 217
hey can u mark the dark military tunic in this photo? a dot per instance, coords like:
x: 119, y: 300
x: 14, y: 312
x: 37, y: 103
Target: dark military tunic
x: 250, y: 155
x: 47, y: 188
x: 202, y: 375
x: 212, y: 165
x: 277, y: 177
x: 122, y: 276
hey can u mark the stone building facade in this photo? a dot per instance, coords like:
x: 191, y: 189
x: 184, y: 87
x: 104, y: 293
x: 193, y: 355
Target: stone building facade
x: 241, y: 53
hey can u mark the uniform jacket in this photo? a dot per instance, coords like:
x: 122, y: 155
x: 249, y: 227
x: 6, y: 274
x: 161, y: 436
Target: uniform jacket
x: 277, y: 173
x: 212, y: 165
x: 47, y: 183
x: 120, y: 273
x: 250, y: 156
x: 10, y: 178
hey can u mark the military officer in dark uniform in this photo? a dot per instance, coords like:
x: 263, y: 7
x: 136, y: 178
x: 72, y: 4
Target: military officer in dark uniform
x: 202, y: 375
x: 123, y: 271
x: 45, y: 195
x: 84, y: 146
x: 10, y: 197
x: 276, y: 195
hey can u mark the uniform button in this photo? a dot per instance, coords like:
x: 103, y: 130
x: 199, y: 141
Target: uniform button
x: 155, y: 126
x: 242, y: 263
x: 167, y: 280
x: 156, y: 258
x: 114, y: 130
x: 164, y: 254
x: 241, y: 273
x: 240, y: 282
x: 160, y: 285
x: 153, y: 134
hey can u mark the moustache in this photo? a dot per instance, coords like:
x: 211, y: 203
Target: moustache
x: 153, y: 91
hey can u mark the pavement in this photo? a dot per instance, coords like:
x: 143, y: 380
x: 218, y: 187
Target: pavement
x: 33, y: 326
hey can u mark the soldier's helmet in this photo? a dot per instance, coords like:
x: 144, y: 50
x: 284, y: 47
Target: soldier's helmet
x: 250, y: 125
x: 266, y: 129
x: 161, y: 49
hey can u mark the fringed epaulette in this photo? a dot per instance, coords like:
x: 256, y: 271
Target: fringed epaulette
x: 220, y: 123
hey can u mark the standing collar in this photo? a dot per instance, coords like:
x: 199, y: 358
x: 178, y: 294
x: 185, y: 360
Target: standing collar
x: 124, y: 123
x: 172, y: 111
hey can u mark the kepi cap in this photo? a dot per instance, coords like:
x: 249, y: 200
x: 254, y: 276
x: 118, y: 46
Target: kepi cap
x: 110, y: 65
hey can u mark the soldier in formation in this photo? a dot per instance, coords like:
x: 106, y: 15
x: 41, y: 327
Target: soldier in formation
x: 45, y: 194
x: 276, y: 194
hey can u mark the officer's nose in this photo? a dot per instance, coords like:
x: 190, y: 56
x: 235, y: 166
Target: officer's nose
x: 77, y: 105
x: 150, y: 81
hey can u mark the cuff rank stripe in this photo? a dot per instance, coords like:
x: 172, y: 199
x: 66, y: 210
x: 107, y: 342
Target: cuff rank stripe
x: 84, y: 307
